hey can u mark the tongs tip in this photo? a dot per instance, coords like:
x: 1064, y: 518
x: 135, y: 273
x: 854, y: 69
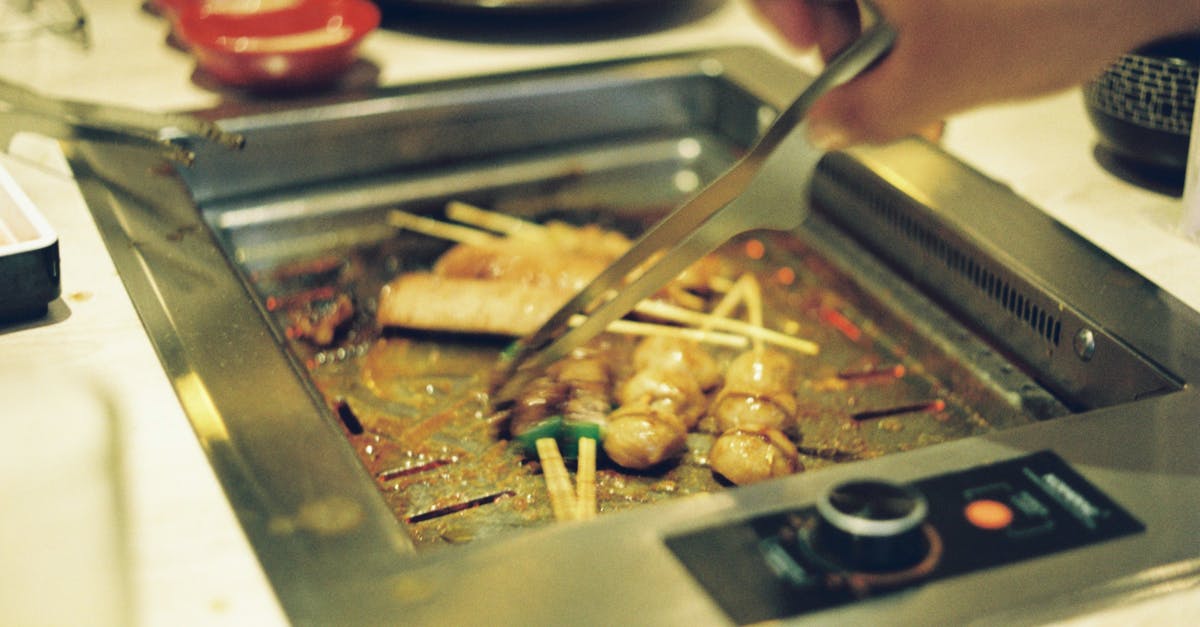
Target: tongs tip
x: 515, y: 369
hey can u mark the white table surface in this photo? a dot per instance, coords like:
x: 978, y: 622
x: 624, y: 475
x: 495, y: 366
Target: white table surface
x: 188, y: 562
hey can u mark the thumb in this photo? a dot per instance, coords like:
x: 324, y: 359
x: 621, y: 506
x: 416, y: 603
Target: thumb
x: 876, y: 107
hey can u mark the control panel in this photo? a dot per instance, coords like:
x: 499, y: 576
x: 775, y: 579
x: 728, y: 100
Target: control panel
x: 869, y: 537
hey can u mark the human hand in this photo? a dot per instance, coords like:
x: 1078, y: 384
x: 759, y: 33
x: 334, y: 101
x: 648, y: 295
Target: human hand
x: 952, y: 55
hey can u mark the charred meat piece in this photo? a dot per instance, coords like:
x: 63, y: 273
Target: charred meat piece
x: 588, y: 380
x: 521, y: 262
x: 571, y: 401
x: 536, y: 404
x: 434, y: 303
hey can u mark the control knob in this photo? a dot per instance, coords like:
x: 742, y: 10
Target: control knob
x: 872, y: 526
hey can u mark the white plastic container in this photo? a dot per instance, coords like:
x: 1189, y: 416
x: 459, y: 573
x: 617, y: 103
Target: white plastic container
x: 29, y: 263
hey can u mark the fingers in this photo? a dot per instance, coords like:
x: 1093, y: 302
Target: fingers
x: 835, y: 25
x: 790, y: 18
x: 827, y: 24
x: 900, y: 95
x: 855, y: 113
x: 886, y: 103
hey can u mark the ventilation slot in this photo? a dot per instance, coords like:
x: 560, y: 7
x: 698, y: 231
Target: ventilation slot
x: 988, y: 283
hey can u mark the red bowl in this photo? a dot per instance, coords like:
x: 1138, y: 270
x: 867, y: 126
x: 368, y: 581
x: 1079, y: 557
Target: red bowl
x: 172, y: 9
x: 302, y: 44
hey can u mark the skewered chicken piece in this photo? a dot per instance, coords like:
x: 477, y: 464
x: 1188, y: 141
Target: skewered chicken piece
x: 566, y: 256
x: 572, y: 400
x: 589, y: 239
x: 752, y: 412
x: 639, y: 436
x: 660, y: 403
x: 420, y: 300
x: 425, y: 301
x: 536, y: 404
x: 588, y: 379
x: 748, y: 455
x: 667, y: 352
x: 757, y: 392
x: 672, y: 374
x: 755, y: 407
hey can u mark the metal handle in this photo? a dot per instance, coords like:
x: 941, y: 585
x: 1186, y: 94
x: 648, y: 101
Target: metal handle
x: 24, y: 110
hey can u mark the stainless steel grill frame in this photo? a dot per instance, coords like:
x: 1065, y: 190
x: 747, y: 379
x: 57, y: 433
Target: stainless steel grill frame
x: 336, y: 555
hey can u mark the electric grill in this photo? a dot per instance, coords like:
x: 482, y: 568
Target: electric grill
x: 1073, y: 370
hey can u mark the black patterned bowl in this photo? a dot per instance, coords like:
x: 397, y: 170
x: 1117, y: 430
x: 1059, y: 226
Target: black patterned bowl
x: 1142, y: 105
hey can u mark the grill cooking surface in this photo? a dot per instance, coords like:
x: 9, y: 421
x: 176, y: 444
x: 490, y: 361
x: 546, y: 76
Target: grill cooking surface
x: 414, y: 405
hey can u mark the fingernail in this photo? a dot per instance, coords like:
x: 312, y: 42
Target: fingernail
x: 827, y: 136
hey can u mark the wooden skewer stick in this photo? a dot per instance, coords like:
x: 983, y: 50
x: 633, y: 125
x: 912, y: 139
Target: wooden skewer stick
x: 754, y: 307
x: 720, y: 284
x: 670, y: 312
x: 492, y: 220
x: 558, y: 482
x: 585, y: 480
x: 633, y: 327
x: 732, y: 298
x: 439, y: 229
x: 683, y: 297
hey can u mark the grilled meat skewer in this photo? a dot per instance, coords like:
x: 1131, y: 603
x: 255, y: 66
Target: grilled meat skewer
x: 752, y: 412
x: 660, y: 403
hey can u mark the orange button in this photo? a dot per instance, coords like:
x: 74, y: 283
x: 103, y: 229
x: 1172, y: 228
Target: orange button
x: 988, y: 514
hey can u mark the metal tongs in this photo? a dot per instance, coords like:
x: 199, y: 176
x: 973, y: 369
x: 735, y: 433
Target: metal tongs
x: 767, y: 189
x: 24, y: 110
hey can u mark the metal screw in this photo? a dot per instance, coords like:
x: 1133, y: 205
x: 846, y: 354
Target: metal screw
x: 1085, y: 344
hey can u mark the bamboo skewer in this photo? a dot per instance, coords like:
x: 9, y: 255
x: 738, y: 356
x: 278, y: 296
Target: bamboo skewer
x: 633, y: 327
x: 754, y: 308
x: 732, y: 298
x: 558, y: 482
x: 670, y: 312
x: 585, y: 480
x: 492, y: 220
x: 720, y: 284
x: 684, y: 297
x: 439, y: 229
